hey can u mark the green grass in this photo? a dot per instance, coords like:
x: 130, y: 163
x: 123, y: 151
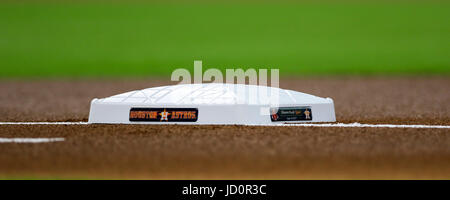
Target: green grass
x: 86, y: 39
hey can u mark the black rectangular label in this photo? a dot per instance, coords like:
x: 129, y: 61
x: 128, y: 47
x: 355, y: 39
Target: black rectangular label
x: 291, y: 114
x: 164, y: 114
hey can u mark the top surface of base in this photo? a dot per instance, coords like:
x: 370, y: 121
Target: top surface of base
x: 213, y: 93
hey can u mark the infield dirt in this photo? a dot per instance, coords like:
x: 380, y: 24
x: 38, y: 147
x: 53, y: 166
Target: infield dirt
x: 231, y: 152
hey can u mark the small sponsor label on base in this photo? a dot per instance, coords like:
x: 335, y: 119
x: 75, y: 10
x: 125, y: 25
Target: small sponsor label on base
x: 291, y: 114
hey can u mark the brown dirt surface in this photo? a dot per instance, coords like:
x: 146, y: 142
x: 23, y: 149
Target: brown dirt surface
x: 231, y: 152
x: 408, y: 100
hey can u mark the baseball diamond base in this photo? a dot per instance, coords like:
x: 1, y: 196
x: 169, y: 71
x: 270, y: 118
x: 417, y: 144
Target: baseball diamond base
x: 212, y: 103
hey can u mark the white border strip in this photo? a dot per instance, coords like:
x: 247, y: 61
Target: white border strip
x: 339, y: 125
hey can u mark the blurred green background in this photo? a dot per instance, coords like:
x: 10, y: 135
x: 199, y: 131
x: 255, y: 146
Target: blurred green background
x: 151, y: 39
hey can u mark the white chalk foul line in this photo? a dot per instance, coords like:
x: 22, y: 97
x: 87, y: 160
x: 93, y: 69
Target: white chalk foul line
x: 44, y: 123
x: 350, y: 125
x: 30, y: 140
x: 358, y: 125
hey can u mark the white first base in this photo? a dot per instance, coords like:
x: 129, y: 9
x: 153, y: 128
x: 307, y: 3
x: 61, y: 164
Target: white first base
x: 215, y: 104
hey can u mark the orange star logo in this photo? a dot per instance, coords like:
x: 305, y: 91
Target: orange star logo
x: 164, y: 115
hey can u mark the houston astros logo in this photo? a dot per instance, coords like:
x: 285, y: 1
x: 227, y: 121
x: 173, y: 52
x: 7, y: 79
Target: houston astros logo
x: 164, y: 115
